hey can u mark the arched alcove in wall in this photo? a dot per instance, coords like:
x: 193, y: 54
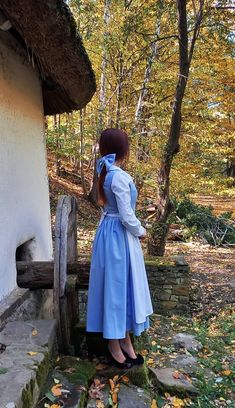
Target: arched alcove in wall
x: 24, y: 252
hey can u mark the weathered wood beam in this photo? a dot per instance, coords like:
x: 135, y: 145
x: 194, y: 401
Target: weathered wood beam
x: 40, y: 274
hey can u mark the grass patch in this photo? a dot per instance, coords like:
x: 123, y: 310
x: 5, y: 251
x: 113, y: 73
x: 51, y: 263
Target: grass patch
x: 214, y: 376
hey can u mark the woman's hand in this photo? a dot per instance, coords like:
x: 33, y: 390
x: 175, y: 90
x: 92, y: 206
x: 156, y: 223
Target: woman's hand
x: 144, y: 236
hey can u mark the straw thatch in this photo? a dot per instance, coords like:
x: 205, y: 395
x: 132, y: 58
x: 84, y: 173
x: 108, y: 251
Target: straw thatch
x: 47, y: 30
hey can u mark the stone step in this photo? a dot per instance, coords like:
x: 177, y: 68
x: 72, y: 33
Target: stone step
x: 129, y: 396
x: 74, y: 376
x: 27, y: 347
x: 166, y: 379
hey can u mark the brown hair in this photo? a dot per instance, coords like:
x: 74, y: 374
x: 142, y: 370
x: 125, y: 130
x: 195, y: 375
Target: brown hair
x: 111, y: 141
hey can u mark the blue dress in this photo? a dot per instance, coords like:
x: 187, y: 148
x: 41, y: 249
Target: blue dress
x: 118, y: 295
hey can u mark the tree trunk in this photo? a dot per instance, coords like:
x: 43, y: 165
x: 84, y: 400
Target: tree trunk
x: 102, y: 95
x: 119, y: 90
x: 140, y: 114
x: 56, y: 125
x: 160, y: 225
x: 81, y: 164
x: 102, y: 100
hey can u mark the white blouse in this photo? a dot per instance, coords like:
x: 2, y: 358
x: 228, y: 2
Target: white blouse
x: 121, y: 188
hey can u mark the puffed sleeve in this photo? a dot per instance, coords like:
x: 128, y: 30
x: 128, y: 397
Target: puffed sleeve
x: 121, y: 188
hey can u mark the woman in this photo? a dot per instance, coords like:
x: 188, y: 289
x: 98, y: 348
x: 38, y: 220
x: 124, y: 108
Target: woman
x: 118, y: 296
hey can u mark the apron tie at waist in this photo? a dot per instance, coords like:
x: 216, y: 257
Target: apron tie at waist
x: 106, y: 214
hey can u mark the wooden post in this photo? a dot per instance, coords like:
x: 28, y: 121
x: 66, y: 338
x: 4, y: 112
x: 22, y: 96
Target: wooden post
x: 65, y: 251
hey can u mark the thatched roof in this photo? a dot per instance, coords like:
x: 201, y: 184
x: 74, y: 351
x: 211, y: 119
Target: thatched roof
x: 47, y: 30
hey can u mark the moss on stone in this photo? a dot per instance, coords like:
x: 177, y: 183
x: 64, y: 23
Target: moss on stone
x: 43, y: 370
x: 84, y: 370
x: 27, y: 395
x: 158, y: 261
x: 139, y: 376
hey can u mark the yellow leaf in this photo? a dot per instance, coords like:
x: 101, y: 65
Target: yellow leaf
x: 177, y: 402
x: 55, y: 406
x: 154, y: 404
x: 167, y: 395
x: 154, y: 343
x: 150, y: 361
x: 32, y: 353
x: 226, y: 372
x: 34, y: 332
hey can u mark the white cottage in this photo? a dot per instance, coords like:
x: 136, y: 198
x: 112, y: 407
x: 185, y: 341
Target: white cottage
x: 44, y: 70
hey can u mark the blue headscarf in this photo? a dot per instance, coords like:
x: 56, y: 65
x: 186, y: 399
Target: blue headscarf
x: 106, y: 161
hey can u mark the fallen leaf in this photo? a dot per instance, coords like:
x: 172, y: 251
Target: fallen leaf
x: 70, y: 370
x: 114, y: 397
x: 95, y: 389
x: 111, y: 384
x: 150, y: 361
x: 55, y: 406
x: 167, y: 395
x: 177, y: 402
x: 144, y: 352
x: 226, y: 372
x: 115, y: 378
x: 125, y: 379
x: 101, y: 366
x: 34, y: 332
x: 176, y: 374
x: 32, y: 353
x: 154, y: 404
x: 99, y: 404
x: 56, y: 390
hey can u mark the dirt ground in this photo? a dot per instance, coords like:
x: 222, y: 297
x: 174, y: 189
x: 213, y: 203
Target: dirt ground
x: 212, y: 273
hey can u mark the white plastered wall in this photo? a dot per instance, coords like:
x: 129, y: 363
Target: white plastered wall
x: 24, y: 196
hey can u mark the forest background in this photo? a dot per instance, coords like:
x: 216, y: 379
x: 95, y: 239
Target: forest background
x: 134, y: 49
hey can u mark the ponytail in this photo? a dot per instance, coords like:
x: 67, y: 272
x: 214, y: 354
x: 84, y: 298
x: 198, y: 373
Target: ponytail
x: 101, y: 194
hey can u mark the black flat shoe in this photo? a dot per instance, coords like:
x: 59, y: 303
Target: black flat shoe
x: 124, y: 366
x: 139, y: 360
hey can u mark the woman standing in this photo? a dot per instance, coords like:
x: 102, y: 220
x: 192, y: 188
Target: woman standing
x: 118, y: 296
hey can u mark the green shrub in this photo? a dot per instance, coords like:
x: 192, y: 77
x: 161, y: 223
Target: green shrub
x: 199, y: 221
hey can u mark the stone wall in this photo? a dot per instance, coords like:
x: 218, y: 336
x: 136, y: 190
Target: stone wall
x: 168, y: 279
x: 169, y: 284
